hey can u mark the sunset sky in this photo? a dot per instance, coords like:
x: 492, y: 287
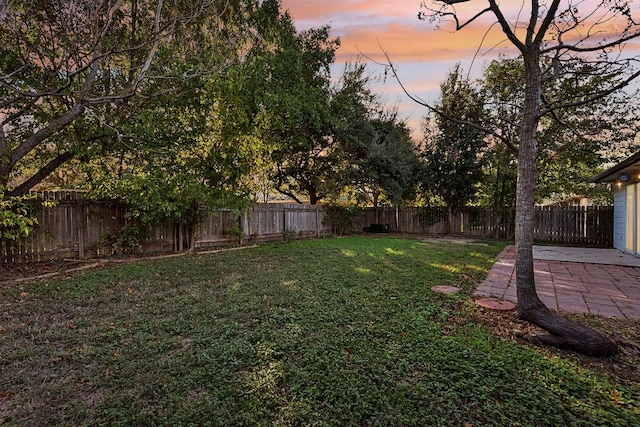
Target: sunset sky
x: 422, y: 53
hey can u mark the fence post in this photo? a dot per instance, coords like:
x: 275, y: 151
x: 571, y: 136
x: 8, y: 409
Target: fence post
x: 245, y: 223
x: 82, y: 227
x: 284, y: 219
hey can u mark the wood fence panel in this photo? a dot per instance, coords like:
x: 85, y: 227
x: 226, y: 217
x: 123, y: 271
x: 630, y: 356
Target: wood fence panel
x: 592, y: 225
x: 266, y: 220
x: 78, y: 228
x: 214, y: 226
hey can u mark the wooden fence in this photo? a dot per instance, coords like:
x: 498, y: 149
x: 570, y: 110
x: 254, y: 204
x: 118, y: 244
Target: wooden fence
x: 79, y: 228
x: 575, y: 225
x: 561, y: 225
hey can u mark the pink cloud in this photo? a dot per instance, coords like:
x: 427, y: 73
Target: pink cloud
x: 416, y: 43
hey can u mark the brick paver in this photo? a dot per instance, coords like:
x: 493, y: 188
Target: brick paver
x: 575, y: 287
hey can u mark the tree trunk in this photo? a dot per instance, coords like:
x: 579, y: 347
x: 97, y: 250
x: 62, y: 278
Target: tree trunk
x: 564, y: 332
x: 527, y: 172
x: 375, y: 209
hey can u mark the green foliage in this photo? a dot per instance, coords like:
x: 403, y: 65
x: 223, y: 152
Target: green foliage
x: 341, y: 218
x: 572, y: 143
x: 453, y: 152
x: 325, y: 332
x: 290, y: 234
x: 124, y: 241
x: 383, y: 163
x: 107, y: 61
x: 17, y: 218
x: 237, y: 231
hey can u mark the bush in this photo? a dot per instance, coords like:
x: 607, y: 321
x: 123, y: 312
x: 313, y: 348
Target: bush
x: 18, y: 217
x: 341, y: 218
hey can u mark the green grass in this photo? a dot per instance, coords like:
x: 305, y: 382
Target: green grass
x: 337, y: 332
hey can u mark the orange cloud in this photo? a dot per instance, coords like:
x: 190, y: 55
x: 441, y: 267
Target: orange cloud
x: 305, y: 9
x: 423, y: 54
x: 363, y: 25
x: 415, y: 43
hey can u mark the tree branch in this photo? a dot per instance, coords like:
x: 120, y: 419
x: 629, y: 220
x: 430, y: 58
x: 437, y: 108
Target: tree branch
x: 32, y: 141
x: 506, y: 29
x: 600, y: 47
x: 39, y: 176
x: 473, y: 125
x: 595, y: 97
x: 546, y: 23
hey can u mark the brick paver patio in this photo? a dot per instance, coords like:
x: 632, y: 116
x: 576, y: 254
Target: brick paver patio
x: 575, y: 287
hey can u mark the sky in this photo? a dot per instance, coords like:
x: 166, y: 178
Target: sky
x: 422, y: 53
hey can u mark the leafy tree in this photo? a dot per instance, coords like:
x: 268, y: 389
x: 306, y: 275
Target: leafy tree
x: 379, y: 156
x: 502, y: 90
x: 574, y: 142
x: 386, y: 167
x: 452, y: 152
x: 555, y: 44
x: 17, y: 218
x: 66, y: 67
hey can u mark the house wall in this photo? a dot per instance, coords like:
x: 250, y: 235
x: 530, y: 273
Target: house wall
x: 619, y: 215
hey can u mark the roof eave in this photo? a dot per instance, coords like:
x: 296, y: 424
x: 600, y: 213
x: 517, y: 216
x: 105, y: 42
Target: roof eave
x: 611, y: 174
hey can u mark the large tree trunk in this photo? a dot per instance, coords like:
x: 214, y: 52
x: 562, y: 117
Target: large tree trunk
x: 564, y: 332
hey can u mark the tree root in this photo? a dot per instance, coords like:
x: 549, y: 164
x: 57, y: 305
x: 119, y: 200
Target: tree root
x: 565, y: 333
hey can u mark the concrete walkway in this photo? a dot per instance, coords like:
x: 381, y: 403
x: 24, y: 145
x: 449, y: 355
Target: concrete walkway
x: 576, y: 280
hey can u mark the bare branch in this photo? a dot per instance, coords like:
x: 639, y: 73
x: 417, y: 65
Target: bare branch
x: 506, y: 29
x: 154, y: 46
x: 563, y: 123
x: 546, y: 23
x: 595, y: 48
x: 593, y: 98
x: 390, y: 66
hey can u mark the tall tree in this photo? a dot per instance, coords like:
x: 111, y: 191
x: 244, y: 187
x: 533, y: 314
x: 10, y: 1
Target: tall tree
x: 569, y: 150
x: 555, y: 32
x: 453, y: 152
x: 379, y: 157
x: 284, y: 102
x: 199, y: 146
x: 385, y: 167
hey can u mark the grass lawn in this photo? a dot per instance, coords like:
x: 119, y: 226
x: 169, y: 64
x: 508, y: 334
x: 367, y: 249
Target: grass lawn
x: 340, y: 331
